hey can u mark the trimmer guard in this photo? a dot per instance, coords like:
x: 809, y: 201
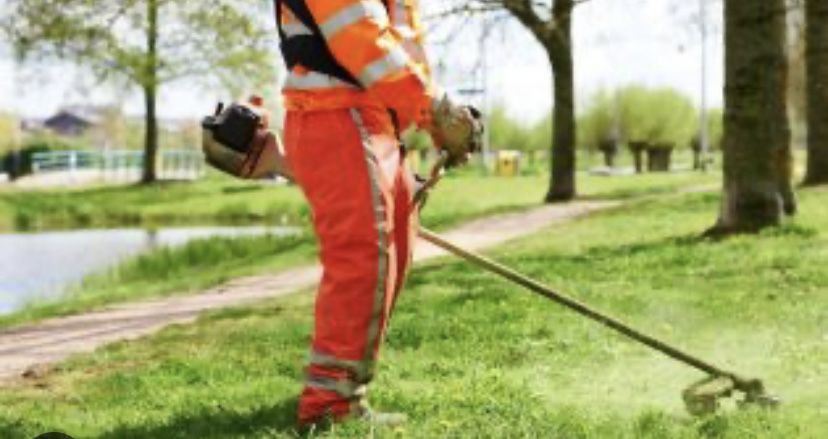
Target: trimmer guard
x: 704, y: 397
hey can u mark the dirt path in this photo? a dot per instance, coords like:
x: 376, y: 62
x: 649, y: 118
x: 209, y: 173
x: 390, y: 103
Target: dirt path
x: 26, y: 349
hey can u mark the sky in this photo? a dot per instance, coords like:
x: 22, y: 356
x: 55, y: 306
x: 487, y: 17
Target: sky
x: 616, y: 42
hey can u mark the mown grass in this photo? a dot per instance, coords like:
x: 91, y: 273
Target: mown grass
x: 460, y: 198
x: 222, y: 200
x: 471, y: 356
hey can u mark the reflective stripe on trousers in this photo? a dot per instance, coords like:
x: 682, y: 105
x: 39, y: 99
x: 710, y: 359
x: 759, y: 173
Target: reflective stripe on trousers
x: 348, y: 164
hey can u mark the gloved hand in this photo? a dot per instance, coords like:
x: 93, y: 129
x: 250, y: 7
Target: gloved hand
x: 263, y: 158
x: 458, y: 130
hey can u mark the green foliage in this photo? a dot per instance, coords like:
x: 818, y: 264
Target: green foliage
x: 18, y: 162
x: 638, y: 113
x: 658, y: 116
x: 598, y: 122
x: 505, y: 132
x: 144, y: 44
x: 51, y: 142
x: 471, y: 356
x: 715, y: 127
x: 9, y: 132
x: 215, y: 41
x: 540, y: 135
x: 509, y: 133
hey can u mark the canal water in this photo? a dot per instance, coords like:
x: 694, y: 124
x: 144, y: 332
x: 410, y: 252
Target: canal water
x: 42, y: 265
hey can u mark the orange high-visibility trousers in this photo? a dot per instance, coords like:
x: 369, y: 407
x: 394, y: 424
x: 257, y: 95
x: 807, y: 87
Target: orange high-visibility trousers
x: 354, y: 175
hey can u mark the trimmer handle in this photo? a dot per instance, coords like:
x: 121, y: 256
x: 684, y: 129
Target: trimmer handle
x: 434, y: 177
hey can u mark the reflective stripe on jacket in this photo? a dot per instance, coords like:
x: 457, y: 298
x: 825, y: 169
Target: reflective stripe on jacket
x: 382, y: 48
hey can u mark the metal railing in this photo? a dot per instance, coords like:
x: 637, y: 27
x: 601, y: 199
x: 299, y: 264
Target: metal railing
x: 120, y: 164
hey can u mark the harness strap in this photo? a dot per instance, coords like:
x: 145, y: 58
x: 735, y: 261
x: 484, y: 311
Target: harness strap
x: 310, y: 51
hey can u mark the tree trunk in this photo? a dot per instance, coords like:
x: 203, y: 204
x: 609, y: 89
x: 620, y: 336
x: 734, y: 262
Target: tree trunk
x: 150, y: 137
x: 150, y: 92
x: 638, y: 150
x: 562, y: 184
x: 757, y: 135
x: 816, y: 36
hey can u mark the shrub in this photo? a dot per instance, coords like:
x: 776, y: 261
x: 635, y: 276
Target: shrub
x: 637, y: 113
x: 657, y: 116
x: 598, y: 122
x: 18, y: 162
x: 9, y: 133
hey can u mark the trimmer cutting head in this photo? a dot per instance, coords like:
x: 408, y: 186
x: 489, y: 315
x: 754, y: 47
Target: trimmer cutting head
x: 704, y: 397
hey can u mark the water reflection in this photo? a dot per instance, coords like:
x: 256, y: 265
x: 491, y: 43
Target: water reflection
x: 41, y: 265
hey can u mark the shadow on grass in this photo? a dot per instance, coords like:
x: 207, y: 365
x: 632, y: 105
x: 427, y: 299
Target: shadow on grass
x: 278, y: 419
x: 646, y: 194
x: 11, y: 430
x: 683, y: 241
x: 534, y: 258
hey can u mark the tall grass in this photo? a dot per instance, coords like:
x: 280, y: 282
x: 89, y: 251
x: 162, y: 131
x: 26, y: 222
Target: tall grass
x: 175, y: 270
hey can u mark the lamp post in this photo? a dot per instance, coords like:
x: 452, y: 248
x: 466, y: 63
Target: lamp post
x: 704, y: 135
x: 480, y: 91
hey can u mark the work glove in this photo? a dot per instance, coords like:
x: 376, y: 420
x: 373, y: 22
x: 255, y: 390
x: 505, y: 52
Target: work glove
x: 457, y: 130
x: 235, y: 142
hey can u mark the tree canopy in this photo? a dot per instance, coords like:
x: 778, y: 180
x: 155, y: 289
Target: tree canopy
x: 144, y: 44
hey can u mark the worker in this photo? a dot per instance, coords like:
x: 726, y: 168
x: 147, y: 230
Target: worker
x: 358, y: 76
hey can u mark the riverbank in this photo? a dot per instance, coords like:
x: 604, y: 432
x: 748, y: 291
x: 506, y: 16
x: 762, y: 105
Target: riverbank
x: 167, y: 271
x: 213, y: 201
x: 756, y: 304
x: 204, y: 264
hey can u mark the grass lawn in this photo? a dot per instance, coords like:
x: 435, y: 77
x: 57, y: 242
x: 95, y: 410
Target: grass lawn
x: 206, y: 263
x: 222, y: 200
x: 471, y: 356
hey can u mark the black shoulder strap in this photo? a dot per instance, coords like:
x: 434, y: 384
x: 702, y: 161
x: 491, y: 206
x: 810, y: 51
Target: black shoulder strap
x: 311, y: 51
x: 277, y: 6
x: 301, y: 12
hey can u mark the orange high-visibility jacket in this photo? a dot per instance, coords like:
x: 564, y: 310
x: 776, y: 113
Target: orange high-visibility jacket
x: 380, y: 43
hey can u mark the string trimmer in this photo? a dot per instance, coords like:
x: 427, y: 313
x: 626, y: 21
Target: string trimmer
x: 232, y: 144
x: 701, y: 398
